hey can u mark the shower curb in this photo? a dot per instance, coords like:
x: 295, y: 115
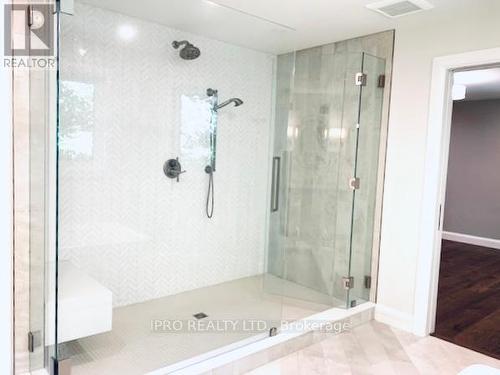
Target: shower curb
x: 244, y: 359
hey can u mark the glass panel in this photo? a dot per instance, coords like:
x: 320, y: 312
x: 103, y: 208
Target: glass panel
x: 29, y: 220
x: 315, y: 139
x: 273, y: 281
x: 367, y: 170
x: 347, y: 161
x: 37, y: 230
x: 138, y: 256
x: 39, y: 152
x: 147, y: 276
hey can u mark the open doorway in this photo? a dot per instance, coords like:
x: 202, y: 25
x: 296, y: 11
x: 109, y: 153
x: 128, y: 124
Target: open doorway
x: 468, y: 303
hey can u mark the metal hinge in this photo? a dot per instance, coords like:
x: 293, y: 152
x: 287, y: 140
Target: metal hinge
x: 34, y: 340
x: 348, y: 282
x: 368, y: 282
x: 361, y: 79
x: 354, y: 183
x: 381, y: 81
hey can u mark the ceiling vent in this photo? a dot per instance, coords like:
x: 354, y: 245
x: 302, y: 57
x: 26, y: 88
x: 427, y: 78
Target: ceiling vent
x: 398, y: 8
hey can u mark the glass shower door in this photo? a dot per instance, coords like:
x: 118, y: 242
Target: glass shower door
x: 314, y: 151
x: 325, y: 176
x: 367, y: 173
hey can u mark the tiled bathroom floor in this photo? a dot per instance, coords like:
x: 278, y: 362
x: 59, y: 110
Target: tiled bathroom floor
x: 133, y: 347
x: 375, y: 348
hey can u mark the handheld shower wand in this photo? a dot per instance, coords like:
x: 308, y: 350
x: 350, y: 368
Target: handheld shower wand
x: 210, y: 203
x: 210, y: 168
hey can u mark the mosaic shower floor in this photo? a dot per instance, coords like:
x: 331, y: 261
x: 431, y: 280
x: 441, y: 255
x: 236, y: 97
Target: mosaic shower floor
x: 157, y: 333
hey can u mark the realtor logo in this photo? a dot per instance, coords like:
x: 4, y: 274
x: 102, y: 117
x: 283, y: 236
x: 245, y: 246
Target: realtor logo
x: 29, y: 30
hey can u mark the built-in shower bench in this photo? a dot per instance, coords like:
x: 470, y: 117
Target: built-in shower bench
x: 85, y: 306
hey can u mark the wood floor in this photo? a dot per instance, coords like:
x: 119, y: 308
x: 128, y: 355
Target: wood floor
x: 468, y: 309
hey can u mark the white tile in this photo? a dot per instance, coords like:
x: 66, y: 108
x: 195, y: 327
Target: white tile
x: 123, y: 221
x: 375, y: 348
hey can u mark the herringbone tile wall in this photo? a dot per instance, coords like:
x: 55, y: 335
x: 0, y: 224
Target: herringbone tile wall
x: 122, y: 221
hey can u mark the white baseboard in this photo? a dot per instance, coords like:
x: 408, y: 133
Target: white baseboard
x: 394, y: 318
x: 472, y: 240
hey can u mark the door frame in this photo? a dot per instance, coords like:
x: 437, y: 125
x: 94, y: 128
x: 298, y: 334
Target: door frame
x: 436, y: 166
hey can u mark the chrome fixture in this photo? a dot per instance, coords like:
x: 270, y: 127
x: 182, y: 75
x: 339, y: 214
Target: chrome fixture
x: 173, y: 169
x: 210, y: 203
x: 275, y: 184
x: 188, y: 52
x: 237, y: 102
x: 200, y: 315
x: 210, y: 168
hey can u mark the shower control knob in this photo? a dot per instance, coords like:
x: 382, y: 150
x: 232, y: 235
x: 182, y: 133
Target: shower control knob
x: 172, y: 168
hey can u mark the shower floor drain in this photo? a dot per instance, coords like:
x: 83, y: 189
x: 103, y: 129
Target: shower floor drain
x: 200, y: 315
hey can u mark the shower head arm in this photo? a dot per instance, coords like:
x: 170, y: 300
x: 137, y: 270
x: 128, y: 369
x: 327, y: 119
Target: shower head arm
x: 237, y: 102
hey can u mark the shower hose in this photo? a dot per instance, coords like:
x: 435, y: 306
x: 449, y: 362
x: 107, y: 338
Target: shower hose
x: 210, y: 193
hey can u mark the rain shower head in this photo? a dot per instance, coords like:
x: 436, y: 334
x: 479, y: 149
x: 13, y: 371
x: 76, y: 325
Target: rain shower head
x: 237, y: 102
x: 188, y: 52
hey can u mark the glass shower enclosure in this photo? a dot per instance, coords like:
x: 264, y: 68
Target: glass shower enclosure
x: 146, y: 277
x: 325, y: 172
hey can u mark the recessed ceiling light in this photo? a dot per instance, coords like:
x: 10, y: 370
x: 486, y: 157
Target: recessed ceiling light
x: 398, y: 8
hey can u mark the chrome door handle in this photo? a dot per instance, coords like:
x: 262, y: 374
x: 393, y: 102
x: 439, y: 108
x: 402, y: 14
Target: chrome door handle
x: 275, y: 184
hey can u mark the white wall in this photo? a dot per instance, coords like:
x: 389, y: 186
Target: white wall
x: 472, y: 199
x: 5, y: 212
x: 122, y: 220
x: 472, y: 26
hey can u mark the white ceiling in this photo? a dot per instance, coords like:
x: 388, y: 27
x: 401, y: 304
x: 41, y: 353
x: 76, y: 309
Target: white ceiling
x: 481, y: 84
x: 275, y: 26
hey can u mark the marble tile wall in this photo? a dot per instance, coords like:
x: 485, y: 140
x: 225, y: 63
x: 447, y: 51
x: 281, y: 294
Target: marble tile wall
x: 317, y: 113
